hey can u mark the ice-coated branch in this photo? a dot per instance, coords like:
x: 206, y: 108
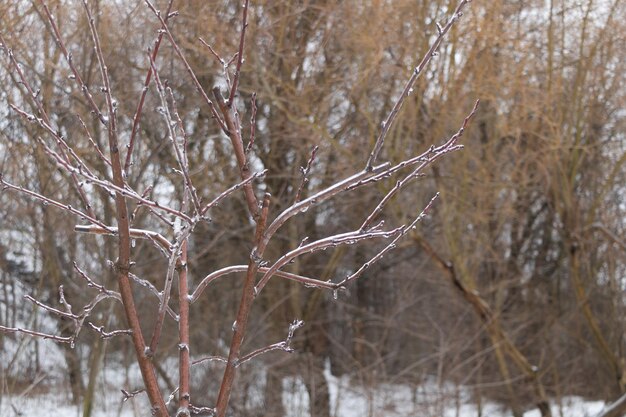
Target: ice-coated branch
x: 174, y: 263
x: 390, y: 246
x: 223, y: 63
x: 77, y: 319
x: 52, y: 310
x: 202, y: 410
x: 408, y: 88
x: 137, y: 117
x: 432, y: 155
x: 318, y: 198
x: 165, y: 29
x: 153, y: 290
x: 348, y: 238
x: 68, y: 57
x: 92, y: 284
x: 309, y: 282
x: 233, y: 131
x: 60, y: 339
x: 48, y: 201
x: 60, y: 140
x: 243, y: 312
x: 92, y: 142
x: 107, y: 335
x: 210, y: 359
x: 180, y: 155
x: 253, y: 110
x: 130, y: 394
x: 111, y: 187
x: 231, y: 190
x: 242, y: 42
x: 214, y: 53
x: 134, y: 233
x: 284, y: 345
x: 46, y: 119
x: 122, y: 266
x: 305, y: 173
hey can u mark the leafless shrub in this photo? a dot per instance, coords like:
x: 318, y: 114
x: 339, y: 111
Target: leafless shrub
x: 180, y: 219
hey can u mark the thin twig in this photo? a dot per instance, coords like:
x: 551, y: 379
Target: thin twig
x: 75, y: 74
x: 93, y: 142
x: 230, y: 190
x: 61, y: 339
x: 318, y: 198
x: 348, y: 238
x: 305, y: 173
x: 85, y: 172
x: 433, y: 155
x: 408, y: 88
x: 45, y: 118
x: 309, y: 282
x: 60, y: 140
x: 179, y: 156
x: 284, y: 345
x: 253, y: 110
x: 48, y: 201
x: 107, y: 335
x: 137, y: 117
x: 390, y: 246
x: 134, y: 233
x: 51, y: 309
x: 215, y: 54
x: 197, y: 84
x: 210, y: 359
x: 91, y: 283
x: 153, y: 290
x: 130, y: 394
x: 174, y: 263
x: 231, y: 118
x: 242, y: 41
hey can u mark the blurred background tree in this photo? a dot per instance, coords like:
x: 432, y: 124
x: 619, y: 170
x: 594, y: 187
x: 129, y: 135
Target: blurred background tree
x: 530, y: 224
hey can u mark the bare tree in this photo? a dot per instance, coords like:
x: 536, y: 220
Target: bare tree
x: 179, y: 217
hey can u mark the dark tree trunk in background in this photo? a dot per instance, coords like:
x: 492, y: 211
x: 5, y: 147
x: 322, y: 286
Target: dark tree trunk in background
x: 313, y: 372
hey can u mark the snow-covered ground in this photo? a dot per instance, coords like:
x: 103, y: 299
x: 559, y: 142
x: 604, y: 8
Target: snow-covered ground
x: 348, y: 399
x: 427, y: 400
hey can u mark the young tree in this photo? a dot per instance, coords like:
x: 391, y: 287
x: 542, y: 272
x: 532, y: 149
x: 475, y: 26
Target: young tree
x: 100, y: 166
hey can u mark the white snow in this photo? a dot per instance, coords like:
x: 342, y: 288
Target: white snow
x: 348, y: 398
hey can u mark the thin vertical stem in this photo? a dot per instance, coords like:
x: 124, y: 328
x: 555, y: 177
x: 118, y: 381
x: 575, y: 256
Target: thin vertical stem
x: 122, y: 266
x: 231, y: 119
x: 142, y: 99
x: 406, y: 91
x: 242, y: 42
x: 183, y: 332
x: 46, y: 120
x: 245, y: 305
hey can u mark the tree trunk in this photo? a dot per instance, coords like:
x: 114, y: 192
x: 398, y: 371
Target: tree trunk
x: 74, y: 373
x: 316, y: 386
x: 274, y: 394
x: 95, y: 364
x: 313, y: 371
